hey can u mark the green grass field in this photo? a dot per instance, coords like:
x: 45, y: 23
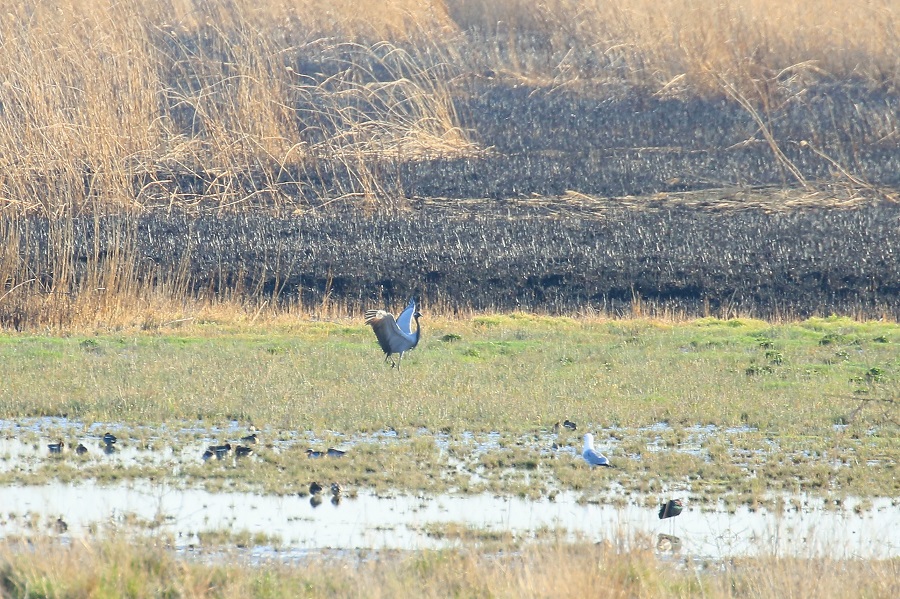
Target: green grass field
x: 514, y: 373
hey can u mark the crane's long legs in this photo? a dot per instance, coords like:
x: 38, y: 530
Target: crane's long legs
x: 394, y: 364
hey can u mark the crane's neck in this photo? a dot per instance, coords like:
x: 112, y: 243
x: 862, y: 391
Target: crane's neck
x: 418, y: 330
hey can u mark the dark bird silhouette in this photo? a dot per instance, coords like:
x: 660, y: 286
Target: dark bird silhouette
x: 395, y: 336
x: 220, y: 451
x: 81, y: 449
x: 336, y: 489
x: 335, y: 453
x: 109, y: 439
x: 570, y: 425
x: 312, y: 453
x: 241, y: 451
x: 250, y: 439
x: 670, y: 509
x: 315, y: 488
x: 56, y: 447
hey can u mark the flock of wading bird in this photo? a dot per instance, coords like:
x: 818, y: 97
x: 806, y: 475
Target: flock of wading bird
x: 395, y: 336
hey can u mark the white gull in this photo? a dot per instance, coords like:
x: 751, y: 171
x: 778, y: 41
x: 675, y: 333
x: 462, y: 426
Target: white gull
x: 591, y: 455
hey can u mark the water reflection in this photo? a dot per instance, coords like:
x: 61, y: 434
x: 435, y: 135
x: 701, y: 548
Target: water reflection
x: 403, y: 521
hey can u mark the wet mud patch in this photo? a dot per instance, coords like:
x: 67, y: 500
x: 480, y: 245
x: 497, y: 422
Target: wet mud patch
x: 737, y: 466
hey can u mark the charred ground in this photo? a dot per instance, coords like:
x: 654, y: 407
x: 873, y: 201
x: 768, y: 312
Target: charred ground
x: 556, y: 256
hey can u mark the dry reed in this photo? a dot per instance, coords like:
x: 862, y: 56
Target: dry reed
x: 135, y: 105
x: 117, y: 568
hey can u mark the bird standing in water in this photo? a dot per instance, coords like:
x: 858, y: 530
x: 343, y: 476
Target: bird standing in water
x: 395, y: 336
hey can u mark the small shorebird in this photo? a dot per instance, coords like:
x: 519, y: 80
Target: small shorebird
x: 81, y: 449
x: 109, y: 439
x: 56, y: 447
x: 570, y: 425
x: 336, y: 489
x: 242, y: 452
x: 250, y: 439
x: 311, y: 453
x: 335, y: 453
x: 315, y: 488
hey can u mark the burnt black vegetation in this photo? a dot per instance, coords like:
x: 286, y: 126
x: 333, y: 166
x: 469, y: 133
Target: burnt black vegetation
x: 678, y: 259
x: 608, y: 139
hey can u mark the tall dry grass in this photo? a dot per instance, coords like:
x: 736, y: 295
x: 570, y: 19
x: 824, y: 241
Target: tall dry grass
x: 137, y: 104
x: 116, y: 568
x: 104, y: 103
x: 691, y: 44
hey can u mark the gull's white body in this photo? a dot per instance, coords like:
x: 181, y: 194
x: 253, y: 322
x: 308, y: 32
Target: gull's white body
x: 591, y: 455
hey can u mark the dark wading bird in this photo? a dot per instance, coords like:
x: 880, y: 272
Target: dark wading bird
x: 219, y: 451
x: 670, y: 509
x: 395, y: 336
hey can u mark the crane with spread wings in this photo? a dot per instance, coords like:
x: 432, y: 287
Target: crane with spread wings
x: 395, y: 336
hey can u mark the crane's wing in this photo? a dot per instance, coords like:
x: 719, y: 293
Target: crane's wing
x: 595, y: 458
x: 404, y: 321
x: 390, y: 337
